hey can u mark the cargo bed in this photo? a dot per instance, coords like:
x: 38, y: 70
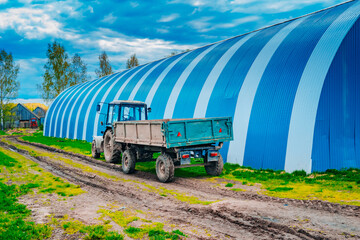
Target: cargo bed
x: 172, y: 133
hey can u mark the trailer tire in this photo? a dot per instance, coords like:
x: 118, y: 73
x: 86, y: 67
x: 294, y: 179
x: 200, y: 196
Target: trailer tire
x: 112, y: 150
x: 128, y: 161
x: 215, y: 168
x: 94, y: 152
x: 165, y: 168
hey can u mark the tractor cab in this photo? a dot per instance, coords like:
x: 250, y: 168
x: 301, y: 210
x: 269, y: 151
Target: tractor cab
x: 126, y: 111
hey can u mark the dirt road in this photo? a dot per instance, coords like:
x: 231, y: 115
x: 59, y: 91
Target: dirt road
x: 200, y: 208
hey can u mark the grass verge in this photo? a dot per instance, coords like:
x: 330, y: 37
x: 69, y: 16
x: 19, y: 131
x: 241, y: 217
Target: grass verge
x: 162, y: 191
x: 338, y: 186
x: 14, y: 217
x: 144, y: 229
x: 75, y: 146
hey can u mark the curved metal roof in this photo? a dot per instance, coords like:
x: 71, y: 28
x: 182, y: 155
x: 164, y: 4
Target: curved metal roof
x: 270, y: 81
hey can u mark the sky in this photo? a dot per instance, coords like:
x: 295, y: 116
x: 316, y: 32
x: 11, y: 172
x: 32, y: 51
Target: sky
x: 150, y: 29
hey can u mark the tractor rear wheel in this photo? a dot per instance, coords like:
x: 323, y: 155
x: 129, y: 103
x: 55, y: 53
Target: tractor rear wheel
x: 165, y: 168
x: 215, y: 168
x: 94, y: 152
x: 128, y: 161
x: 112, y: 150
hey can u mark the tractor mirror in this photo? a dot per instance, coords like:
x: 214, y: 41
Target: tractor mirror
x: 98, y: 108
x: 149, y: 110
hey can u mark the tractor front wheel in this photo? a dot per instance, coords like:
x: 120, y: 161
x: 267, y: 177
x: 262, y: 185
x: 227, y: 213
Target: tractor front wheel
x: 112, y: 150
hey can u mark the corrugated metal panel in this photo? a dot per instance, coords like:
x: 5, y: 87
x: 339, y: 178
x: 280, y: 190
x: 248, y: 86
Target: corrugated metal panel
x: 335, y: 135
x: 271, y: 112
x: 207, y: 82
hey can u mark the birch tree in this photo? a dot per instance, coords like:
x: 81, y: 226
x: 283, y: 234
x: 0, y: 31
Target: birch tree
x: 132, y: 61
x: 57, y: 76
x: 104, y: 66
x: 9, y: 86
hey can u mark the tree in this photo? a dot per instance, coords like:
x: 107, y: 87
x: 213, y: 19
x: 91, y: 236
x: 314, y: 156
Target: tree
x: 132, y: 61
x: 105, y: 67
x: 9, y: 86
x: 57, y: 76
x: 78, y: 70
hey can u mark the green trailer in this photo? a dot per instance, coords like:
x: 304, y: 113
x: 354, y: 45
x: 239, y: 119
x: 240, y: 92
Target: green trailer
x: 131, y: 135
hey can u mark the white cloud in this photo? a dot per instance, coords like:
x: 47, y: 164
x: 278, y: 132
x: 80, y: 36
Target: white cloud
x: 269, y: 6
x: 32, y: 23
x: 91, y: 9
x: 109, y: 19
x: 3, y: 1
x: 252, y: 6
x: 146, y: 49
x: 200, y: 23
x: 40, y: 21
x: 169, y: 18
x: 30, y: 100
x: 162, y: 30
x: 134, y: 4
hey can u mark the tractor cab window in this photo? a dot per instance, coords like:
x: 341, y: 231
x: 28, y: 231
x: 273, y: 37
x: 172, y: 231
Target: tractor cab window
x: 113, y: 114
x: 110, y: 114
x: 132, y: 113
x: 127, y: 113
x: 140, y: 113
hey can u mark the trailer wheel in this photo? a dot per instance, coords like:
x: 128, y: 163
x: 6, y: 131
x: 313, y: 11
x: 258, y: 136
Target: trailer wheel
x: 94, y: 152
x: 165, y: 168
x: 112, y: 150
x: 215, y: 168
x: 128, y: 161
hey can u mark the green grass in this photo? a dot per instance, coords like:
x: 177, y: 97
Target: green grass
x: 76, y: 146
x: 147, y: 229
x: 18, y: 169
x: 13, y: 223
x: 2, y: 133
x: 340, y: 186
x: 90, y: 232
x: 229, y: 185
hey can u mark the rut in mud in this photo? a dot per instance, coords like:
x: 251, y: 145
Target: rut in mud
x: 234, y: 215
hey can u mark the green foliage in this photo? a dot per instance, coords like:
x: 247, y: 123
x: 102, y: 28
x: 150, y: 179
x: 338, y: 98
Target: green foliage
x: 60, y: 71
x: 132, y: 62
x: 9, y: 86
x: 78, y: 70
x: 229, y: 185
x: 104, y: 66
x: 13, y: 215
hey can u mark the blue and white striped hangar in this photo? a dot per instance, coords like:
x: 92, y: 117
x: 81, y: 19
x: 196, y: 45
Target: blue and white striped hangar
x: 293, y: 90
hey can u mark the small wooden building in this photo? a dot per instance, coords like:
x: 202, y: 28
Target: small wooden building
x: 23, y: 116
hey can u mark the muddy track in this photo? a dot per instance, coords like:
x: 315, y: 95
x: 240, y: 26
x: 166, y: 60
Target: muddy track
x: 343, y: 209
x: 223, y: 221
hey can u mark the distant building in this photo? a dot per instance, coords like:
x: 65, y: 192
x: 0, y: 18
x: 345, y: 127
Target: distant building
x: 23, y: 116
x: 40, y: 112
